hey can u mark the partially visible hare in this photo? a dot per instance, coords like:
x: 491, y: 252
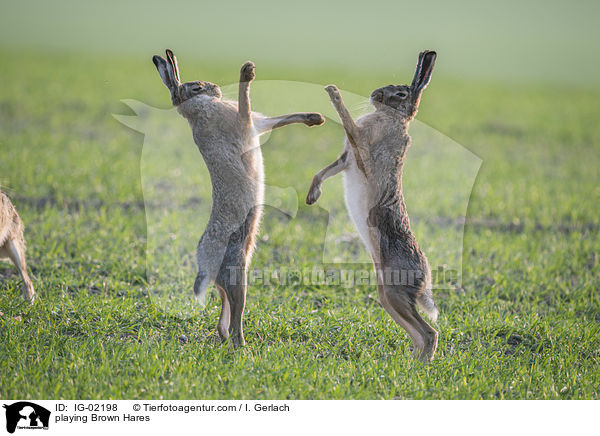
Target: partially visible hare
x: 372, y: 164
x: 227, y: 134
x: 12, y: 243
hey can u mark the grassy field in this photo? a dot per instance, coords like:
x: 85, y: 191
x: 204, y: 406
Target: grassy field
x: 525, y: 324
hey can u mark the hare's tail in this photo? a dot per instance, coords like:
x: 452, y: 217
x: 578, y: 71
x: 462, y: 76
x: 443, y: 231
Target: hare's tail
x: 425, y: 302
x: 200, y: 286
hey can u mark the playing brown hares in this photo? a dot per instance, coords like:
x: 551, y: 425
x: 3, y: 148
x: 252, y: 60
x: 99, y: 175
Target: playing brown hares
x: 372, y: 163
x: 226, y: 134
x: 12, y: 243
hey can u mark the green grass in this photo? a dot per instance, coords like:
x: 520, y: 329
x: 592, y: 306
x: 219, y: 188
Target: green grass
x: 524, y: 324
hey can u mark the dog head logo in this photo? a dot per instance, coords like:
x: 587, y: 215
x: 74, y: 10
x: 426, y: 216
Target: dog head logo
x: 26, y: 415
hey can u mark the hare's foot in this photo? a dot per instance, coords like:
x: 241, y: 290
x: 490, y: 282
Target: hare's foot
x: 247, y: 73
x: 397, y: 302
x: 224, y: 319
x: 269, y: 123
x: 314, y: 193
x: 334, y: 92
x: 246, y: 76
x: 314, y: 119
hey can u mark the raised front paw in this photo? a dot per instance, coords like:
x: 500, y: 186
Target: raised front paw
x: 247, y: 72
x: 314, y: 119
x: 313, y: 194
x: 334, y: 92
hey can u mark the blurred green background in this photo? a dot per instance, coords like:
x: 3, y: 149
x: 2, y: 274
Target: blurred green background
x: 553, y: 41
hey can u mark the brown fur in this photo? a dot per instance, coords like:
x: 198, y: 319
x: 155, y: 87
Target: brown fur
x: 226, y: 134
x: 372, y: 162
x: 12, y: 243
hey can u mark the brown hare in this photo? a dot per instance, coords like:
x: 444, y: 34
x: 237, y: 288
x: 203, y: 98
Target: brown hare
x: 227, y: 135
x: 12, y: 243
x: 372, y: 163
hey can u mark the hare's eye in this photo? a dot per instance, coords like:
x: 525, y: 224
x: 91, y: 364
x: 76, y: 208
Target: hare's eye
x: 197, y: 89
x: 402, y: 95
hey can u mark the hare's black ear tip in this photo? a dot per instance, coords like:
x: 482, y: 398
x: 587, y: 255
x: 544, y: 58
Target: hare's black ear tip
x: 156, y: 59
x: 169, y: 52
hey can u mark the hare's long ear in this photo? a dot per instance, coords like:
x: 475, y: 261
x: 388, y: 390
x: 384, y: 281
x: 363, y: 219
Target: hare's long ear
x: 424, y: 70
x: 173, y: 62
x: 166, y: 72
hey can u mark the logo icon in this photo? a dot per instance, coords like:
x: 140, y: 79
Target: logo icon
x: 26, y: 415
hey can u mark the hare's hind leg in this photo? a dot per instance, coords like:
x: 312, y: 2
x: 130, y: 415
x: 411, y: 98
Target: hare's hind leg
x: 209, y: 256
x: 397, y: 302
x: 232, y: 281
x: 225, y: 317
x: 16, y: 252
x: 232, y: 275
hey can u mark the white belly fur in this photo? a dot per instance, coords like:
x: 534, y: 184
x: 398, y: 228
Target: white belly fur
x: 357, y: 203
x: 259, y: 168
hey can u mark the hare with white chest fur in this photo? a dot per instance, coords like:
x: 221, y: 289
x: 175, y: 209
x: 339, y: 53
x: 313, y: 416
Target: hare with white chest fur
x: 372, y: 163
x: 226, y: 134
